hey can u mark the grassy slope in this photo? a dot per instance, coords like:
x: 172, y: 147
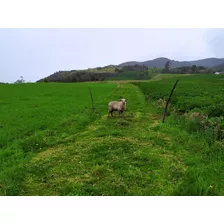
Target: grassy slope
x: 132, y: 155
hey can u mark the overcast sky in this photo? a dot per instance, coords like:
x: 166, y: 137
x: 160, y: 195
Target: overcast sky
x: 37, y: 53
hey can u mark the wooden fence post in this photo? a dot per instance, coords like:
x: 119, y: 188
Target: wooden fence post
x: 91, y: 96
x: 165, y: 110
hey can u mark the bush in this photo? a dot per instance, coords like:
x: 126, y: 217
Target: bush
x: 216, y: 110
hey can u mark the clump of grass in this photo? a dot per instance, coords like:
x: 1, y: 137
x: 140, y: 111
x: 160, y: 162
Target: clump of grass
x: 122, y: 123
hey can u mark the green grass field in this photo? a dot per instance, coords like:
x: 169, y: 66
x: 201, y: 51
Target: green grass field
x: 51, y: 143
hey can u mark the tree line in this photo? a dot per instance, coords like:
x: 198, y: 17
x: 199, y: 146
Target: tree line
x: 186, y: 69
x: 97, y: 74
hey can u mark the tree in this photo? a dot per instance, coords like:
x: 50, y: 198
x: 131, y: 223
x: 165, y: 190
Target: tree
x: 92, y: 78
x: 194, y: 68
x: 185, y: 69
x: 167, y: 67
x: 141, y: 76
x: 201, y: 67
x: 19, y: 81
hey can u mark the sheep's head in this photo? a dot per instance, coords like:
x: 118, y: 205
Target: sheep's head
x: 123, y: 101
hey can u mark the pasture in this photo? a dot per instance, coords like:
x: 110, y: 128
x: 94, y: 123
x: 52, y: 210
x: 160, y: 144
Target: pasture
x: 51, y: 143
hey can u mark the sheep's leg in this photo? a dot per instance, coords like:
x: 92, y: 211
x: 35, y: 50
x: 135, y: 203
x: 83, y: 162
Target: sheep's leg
x: 121, y: 112
x: 111, y: 113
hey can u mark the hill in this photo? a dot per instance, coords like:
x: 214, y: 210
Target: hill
x: 160, y: 62
x: 99, y: 74
x: 134, y: 70
x: 219, y: 67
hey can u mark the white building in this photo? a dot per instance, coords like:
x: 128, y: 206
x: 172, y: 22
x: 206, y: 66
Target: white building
x: 218, y: 73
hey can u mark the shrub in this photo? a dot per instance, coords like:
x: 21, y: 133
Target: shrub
x: 216, y: 110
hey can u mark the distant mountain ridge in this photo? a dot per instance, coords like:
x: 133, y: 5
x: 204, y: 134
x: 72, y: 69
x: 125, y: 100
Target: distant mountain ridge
x: 130, y: 68
x: 160, y: 62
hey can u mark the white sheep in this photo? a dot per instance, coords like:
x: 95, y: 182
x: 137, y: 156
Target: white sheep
x: 119, y: 106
